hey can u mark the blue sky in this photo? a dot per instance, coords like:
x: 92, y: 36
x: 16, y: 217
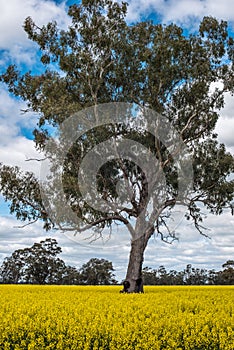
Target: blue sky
x: 16, y: 145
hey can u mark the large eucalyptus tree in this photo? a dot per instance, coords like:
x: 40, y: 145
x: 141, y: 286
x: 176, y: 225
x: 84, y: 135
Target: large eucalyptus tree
x: 135, y: 107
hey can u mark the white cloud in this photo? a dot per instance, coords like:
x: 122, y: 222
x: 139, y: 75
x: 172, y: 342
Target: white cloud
x: 19, y: 152
x: 194, y: 248
x: 225, y: 124
x: 191, y: 248
x: 181, y: 11
x: 13, y: 39
x: 74, y: 254
x: 15, y: 149
x: 9, y: 111
x: 14, y: 12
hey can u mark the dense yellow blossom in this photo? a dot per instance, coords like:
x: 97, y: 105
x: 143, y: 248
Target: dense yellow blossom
x: 92, y: 318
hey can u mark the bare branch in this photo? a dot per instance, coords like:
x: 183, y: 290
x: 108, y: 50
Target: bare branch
x: 35, y: 159
x: 25, y: 225
x: 99, y: 221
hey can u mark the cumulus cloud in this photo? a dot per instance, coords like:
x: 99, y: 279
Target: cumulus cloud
x: 14, y: 12
x: 16, y: 149
x: 21, y: 152
x: 192, y: 248
x: 12, y: 237
x: 225, y: 124
x: 180, y: 11
x: 13, y: 39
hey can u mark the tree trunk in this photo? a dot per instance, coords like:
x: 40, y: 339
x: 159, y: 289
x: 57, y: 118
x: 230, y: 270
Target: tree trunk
x: 134, y: 282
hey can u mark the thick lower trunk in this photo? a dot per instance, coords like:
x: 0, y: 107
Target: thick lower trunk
x: 133, y: 282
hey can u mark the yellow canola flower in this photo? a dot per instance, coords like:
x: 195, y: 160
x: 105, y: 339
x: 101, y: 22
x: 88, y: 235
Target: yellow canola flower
x: 100, y: 318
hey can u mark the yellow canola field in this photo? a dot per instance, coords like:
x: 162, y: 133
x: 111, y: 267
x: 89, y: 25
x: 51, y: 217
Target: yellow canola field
x: 92, y: 318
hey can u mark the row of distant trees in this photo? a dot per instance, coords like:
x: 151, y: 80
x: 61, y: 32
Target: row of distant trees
x: 190, y: 276
x: 40, y: 264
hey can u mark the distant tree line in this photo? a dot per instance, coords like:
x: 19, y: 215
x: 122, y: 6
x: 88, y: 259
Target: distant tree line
x: 40, y: 264
x: 190, y: 276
